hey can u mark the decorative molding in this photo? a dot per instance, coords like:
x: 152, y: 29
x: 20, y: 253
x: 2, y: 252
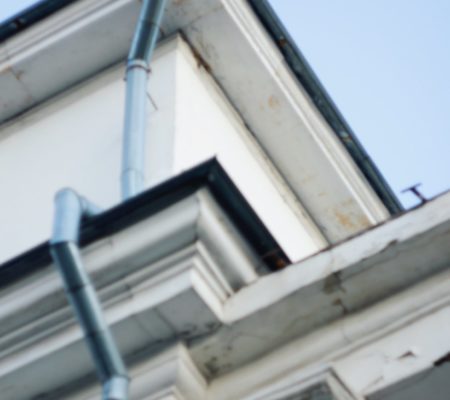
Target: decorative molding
x: 166, y: 278
x: 321, y: 383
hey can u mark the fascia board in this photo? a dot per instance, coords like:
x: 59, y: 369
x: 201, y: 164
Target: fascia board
x: 351, y: 285
x: 375, y: 250
x: 319, y: 96
x: 409, y: 320
x: 208, y: 175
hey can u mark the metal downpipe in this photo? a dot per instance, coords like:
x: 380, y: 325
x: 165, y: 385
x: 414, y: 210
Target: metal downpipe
x: 70, y: 209
x: 138, y: 68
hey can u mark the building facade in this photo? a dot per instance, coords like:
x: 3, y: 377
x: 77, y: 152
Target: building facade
x: 266, y: 258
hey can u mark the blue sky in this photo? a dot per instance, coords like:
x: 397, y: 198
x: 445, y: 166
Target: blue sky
x: 9, y: 8
x: 386, y: 64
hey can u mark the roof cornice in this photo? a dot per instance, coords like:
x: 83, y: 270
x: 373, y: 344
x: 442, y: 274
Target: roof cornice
x: 209, y: 175
x: 295, y: 60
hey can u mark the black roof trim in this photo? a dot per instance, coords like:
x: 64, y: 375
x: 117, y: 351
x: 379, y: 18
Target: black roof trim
x: 324, y: 104
x: 30, y: 16
x: 209, y: 174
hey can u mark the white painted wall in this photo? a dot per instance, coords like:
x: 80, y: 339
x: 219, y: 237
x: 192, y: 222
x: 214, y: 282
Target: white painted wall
x: 76, y: 139
x: 208, y: 126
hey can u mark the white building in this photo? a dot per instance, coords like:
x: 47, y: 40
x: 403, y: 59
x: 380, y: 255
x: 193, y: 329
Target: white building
x: 267, y: 258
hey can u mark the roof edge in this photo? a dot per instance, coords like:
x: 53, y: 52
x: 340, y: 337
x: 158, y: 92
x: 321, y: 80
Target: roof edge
x: 325, y: 104
x: 209, y: 174
x: 296, y: 62
x: 29, y: 16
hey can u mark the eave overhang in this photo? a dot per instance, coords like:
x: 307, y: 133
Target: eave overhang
x: 276, y: 94
x: 296, y: 62
x: 209, y: 175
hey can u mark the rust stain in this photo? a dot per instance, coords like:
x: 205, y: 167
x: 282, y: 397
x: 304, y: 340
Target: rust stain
x: 282, y: 42
x: 349, y: 219
x: 200, y: 60
x: 273, y: 257
x: 273, y: 102
x: 344, y: 220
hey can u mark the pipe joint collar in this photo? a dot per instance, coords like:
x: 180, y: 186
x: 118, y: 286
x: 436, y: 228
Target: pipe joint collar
x: 70, y: 208
x: 116, y: 388
x: 138, y: 63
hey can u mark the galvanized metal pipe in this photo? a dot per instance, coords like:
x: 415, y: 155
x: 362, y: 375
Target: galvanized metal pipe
x: 133, y: 156
x: 70, y: 209
x: 144, y: 42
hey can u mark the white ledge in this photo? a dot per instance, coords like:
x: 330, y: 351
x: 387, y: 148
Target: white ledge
x: 165, y: 278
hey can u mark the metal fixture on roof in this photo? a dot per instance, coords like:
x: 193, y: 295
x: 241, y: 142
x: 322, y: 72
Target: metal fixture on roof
x: 71, y: 209
x: 414, y: 190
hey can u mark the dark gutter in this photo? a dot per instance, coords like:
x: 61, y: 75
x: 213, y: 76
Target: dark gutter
x: 324, y: 104
x: 30, y: 16
x: 208, y: 175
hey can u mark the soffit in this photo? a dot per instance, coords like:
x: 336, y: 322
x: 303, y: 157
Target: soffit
x: 88, y: 36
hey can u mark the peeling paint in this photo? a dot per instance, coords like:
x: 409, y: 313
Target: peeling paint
x: 411, y: 353
x: 338, y: 302
x: 333, y: 283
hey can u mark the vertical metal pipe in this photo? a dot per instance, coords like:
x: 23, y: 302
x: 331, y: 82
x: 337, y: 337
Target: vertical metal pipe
x: 69, y: 211
x: 144, y: 42
x: 133, y: 151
